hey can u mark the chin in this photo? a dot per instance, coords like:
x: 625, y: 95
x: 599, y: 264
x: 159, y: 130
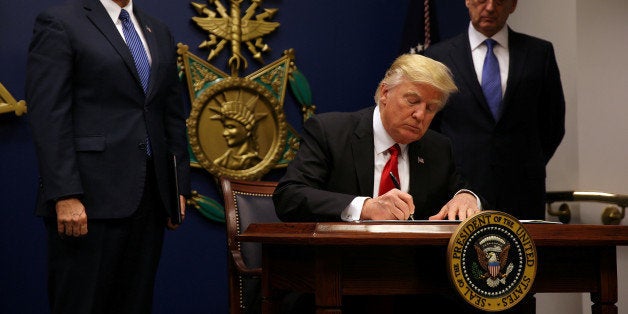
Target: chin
x: 410, y: 139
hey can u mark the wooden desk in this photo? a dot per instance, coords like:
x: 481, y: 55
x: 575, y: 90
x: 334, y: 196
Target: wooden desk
x: 374, y: 258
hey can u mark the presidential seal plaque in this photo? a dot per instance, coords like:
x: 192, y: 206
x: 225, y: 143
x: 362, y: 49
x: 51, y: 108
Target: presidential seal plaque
x: 491, y: 260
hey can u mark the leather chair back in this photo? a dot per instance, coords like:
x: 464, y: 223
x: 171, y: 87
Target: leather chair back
x: 246, y: 202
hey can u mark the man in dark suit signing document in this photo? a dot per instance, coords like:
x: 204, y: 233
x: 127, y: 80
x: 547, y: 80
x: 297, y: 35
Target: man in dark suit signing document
x: 382, y: 162
x: 106, y: 115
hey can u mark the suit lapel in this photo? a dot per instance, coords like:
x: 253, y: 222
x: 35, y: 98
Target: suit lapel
x: 462, y: 64
x: 97, y: 14
x: 151, y: 41
x: 419, y: 176
x: 518, y: 53
x: 463, y: 61
x: 361, y: 142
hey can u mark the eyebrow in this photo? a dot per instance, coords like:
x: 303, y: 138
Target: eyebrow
x: 414, y: 93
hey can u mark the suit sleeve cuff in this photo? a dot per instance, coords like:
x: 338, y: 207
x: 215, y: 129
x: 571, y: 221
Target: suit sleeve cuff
x: 477, y: 199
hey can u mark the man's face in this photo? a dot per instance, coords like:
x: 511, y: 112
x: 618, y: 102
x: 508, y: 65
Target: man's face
x: 489, y: 16
x: 408, y: 109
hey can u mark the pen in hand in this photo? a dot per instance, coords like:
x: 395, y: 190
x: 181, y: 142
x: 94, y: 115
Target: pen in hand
x: 398, y: 187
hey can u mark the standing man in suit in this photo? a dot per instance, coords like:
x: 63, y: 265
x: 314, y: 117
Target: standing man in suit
x: 106, y: 115
x: 342, y: 170
x: 509, y: 116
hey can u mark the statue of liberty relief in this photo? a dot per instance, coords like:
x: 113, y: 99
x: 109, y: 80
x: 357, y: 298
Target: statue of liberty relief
x: 239, y: 130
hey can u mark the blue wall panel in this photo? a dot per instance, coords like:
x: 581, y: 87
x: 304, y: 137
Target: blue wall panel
x: 342, y: 47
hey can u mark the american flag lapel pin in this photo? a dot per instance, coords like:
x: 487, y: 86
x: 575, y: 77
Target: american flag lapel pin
x: 421, y: 160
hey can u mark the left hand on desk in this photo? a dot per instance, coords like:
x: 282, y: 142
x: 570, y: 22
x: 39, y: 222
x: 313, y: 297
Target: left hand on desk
x: 463, y: 205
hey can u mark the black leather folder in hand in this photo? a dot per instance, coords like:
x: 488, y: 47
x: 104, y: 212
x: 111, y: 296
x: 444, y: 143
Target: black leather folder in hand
x: 174, y: 206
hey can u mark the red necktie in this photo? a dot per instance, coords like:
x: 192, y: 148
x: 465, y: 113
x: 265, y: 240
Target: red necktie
x: 386, y: 184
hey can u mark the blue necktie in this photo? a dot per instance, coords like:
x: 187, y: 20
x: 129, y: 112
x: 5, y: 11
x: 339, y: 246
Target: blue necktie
x: 139, y: 57
x: 491, y: 79
x: 137, y: 49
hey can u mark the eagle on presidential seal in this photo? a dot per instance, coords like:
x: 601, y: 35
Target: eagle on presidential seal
x: 492, y: 252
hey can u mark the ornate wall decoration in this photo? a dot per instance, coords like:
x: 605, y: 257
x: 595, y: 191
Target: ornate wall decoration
x: 9, y: 104
x: 237, y: 126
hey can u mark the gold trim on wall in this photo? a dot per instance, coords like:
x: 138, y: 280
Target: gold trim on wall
x: 9, y: 104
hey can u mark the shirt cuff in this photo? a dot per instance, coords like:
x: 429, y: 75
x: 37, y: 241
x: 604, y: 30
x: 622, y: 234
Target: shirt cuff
x: 354, y: 210
x: 477, y: 199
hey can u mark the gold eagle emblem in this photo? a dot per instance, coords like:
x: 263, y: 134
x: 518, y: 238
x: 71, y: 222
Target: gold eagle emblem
x: 224, y: 27
x: 492, y: 252
x: 496, y: 260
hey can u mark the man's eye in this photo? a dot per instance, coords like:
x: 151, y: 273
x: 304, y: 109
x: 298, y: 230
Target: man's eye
x: 413, y: 100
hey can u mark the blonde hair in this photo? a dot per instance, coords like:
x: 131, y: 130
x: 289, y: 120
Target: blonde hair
x: 419, y: 69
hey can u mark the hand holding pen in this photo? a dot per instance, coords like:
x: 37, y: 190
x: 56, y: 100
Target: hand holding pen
x: 398, y: 187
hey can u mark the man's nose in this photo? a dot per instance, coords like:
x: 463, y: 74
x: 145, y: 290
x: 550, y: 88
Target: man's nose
x: 490, y: 5
x: 419, y: 111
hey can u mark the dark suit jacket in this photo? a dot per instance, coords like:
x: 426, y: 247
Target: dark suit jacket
x: 335, y: 164
x: 505, y: 160
x: 89, y: 114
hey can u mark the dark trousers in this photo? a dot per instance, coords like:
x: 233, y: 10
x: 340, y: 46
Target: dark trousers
x: 111, y: 269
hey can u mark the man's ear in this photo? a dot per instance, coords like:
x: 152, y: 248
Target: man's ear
x: 513, y: 7
x: 383, y: 95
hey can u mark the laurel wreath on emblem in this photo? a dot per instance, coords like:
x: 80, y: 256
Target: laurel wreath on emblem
x: 226, y: 125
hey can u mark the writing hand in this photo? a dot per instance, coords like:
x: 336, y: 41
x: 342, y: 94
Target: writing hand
x: 393, y: 205
x: 398, y: 186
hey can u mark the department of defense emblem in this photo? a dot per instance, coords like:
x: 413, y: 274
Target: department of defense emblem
x: 237, y: 127
x: 492, y: 260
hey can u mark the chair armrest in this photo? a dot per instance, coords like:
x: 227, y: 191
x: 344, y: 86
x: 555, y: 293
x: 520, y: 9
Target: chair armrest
x: 238, y: 261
